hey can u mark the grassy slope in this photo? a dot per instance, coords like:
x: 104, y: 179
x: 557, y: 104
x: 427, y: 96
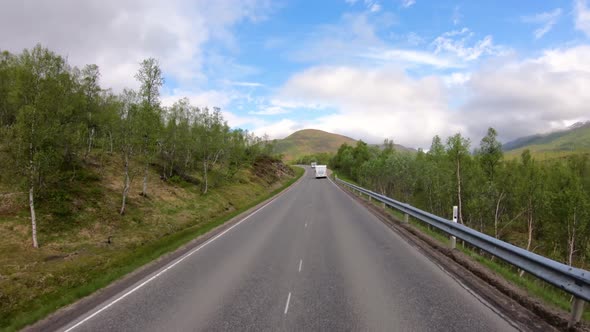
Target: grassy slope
x: 555, y: 145
x: 75, y: 258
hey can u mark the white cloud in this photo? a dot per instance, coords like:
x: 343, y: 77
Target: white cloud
x: 456, y: 79
x: 372, y: 6
x: 517, y: 97
x: 373, y: 104
x: 244, y: 84
x: 117, y: 35
x: 207, y: 98
x: 456, y: 43
x: 414, y: 39
x: 375, y: 8
x: 409, y: 58
x: 341, y: 42
x: 270, y: 110
x: 530, y: 96
x: 238, y: 121
x: 546, y: 19
x: 408, y: 3
x: 582, y: 13
x: 279, y: 129
x: 295, y: 104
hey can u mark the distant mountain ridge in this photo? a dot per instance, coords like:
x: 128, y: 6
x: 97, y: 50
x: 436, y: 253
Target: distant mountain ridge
x: 312, y: 141
x: 574, y: 138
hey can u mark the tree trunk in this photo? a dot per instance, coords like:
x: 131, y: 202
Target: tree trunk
x: 459, y: 191
x: 127, y: 184
x: 33, y: 216
x: 530, y: 224
x: 171, y: 157
x: 32, y: 187
x: 145, y: 169
x: 497, y: 214
x: 145, y: 179
x: 206, y: 182
x: 571, y: 242
x: 111, y: 142
x: 217, y: 154
x: 187, y: 160
x: 90, y: 140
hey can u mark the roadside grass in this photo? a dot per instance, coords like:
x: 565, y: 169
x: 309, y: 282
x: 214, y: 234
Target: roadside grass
x: 535, y: 287
x: 92, y: 245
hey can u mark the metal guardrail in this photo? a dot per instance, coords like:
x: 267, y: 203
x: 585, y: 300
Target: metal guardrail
x: 570, y: 279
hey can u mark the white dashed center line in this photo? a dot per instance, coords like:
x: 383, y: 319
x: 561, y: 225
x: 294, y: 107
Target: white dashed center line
x: 287, y: 305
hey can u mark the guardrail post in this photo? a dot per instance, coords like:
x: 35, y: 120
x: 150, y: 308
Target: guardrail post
x: 406, y: 218
x: 453, y: 239
x: 370, y: 198
x: 577, y: 310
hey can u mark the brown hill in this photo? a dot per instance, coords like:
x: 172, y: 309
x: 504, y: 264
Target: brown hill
x: 310, y: 141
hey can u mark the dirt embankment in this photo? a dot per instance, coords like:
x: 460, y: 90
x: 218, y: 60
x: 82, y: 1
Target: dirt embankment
x: 271, y: 169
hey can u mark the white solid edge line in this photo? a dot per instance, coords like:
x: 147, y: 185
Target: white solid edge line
x: 287, y: 305
x: 170, y: 266
x: 300, y: 263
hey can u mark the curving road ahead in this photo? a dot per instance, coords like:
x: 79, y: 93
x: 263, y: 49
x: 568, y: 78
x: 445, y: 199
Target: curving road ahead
x: 313, y: 259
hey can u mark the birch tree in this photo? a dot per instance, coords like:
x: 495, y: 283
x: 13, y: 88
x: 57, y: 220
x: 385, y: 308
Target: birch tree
x: 91, y: 90
x: 212, y: 132
x: 490, y: 157
x: 39, y: 91
x: 151, y: 80
x: 458, y: 151
x: 129, y: 136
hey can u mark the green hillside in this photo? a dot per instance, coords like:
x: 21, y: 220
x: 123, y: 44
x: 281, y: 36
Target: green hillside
x: 574, y: 140
x: 310, y: 141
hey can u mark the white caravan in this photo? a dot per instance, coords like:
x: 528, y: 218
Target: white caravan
x: 321, y: 171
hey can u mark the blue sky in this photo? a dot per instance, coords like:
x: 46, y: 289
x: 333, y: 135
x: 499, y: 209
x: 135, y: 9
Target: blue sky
x: 370, y: 69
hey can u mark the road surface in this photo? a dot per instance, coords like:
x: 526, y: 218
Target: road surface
x: 313, y: 259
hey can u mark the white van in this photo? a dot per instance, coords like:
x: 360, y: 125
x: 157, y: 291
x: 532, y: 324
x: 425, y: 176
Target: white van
x: 313, y: 164
x: 321, y: 171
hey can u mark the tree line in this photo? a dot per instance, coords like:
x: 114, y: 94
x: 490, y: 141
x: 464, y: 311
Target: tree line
x: 542, y: 206
x: 54, y: 116
x: 321, y: 158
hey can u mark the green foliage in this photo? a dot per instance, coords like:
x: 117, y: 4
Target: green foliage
x: 543, y: 206
x: 322, y: 158
x: 52, y: 116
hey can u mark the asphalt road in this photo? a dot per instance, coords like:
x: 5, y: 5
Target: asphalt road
x: 313, y: 259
